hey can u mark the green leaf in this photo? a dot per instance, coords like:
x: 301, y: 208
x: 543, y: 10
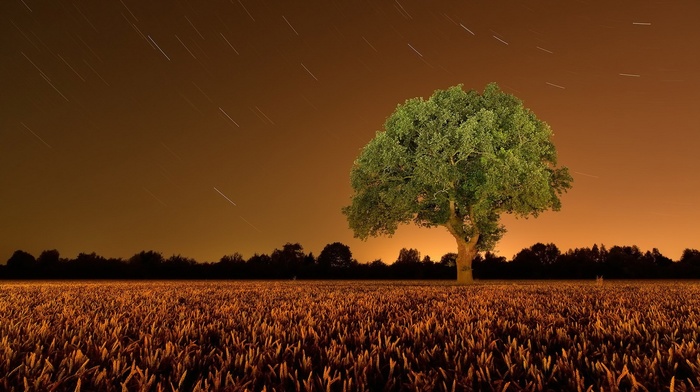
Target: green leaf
x: 485, y: 153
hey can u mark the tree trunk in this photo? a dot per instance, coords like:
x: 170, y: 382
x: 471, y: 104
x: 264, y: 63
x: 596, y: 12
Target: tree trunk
x: 466, y: 251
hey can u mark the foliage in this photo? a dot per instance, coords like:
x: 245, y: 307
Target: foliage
x: 458, y: 159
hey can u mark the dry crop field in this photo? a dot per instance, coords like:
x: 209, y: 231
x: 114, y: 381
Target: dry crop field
x: 349, y: 336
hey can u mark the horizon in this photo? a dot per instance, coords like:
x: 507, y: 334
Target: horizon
x: 316, y: 254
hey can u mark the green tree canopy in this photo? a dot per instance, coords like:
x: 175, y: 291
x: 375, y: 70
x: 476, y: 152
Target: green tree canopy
x: 459, y: 159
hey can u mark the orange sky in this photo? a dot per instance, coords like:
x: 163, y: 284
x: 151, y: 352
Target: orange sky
x: 124, y: 123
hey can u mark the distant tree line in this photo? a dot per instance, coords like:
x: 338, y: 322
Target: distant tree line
x: 540, y: 261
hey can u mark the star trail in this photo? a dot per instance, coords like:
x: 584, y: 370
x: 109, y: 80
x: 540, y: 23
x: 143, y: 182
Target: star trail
x: 127, y: 125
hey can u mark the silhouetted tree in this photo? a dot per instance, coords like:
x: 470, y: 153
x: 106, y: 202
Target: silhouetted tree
x: 627, y: 262
x: 659, y: 259
x: 309, y: 260
x: 21, y: 264
x: 147, y: 264
x: 232, y: 266
x: 88, y: 259
x: 177, y: 266
x: 378, y: 263
x: 287, y: 262
x: 408, y: 256
x: 433, y: 270
x: 535, y: 261
x: 490, y: 266
x: 407, y: 264
x: 335, y: 255
x: 623, y: 262
x: 260, y: 260
x: 259, y: 265
x: 598, y: 255
x: 579, y: 263
x: 49, y: 259
x: 48, y: 265
x: 691, y: 257
x: 378, y: 269
x: 526, y: 264
x: 147, y: 259
x: 547, y: 254
x: 449, y: 260
x: 690, y: 262
x: 94, y: 266
x: 234, y: 260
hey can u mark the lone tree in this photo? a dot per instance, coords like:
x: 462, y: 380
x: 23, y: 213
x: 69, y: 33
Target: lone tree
x: 459, y: 159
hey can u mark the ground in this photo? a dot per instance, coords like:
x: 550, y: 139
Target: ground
x: 301, y: 335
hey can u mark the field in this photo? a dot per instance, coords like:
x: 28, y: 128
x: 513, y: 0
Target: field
x: 348, y: 336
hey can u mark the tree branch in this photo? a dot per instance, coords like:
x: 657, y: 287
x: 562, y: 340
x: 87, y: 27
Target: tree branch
x: 455, y: 225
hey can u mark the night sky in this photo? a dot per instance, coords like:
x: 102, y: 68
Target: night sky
x: 205, y: 128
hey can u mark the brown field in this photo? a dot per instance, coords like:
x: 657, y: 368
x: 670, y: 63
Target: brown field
x: 235, y: 336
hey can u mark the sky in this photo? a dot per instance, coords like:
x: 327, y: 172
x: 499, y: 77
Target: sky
x: 204, y: 128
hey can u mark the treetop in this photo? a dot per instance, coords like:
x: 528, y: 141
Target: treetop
x: 459, y: 158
